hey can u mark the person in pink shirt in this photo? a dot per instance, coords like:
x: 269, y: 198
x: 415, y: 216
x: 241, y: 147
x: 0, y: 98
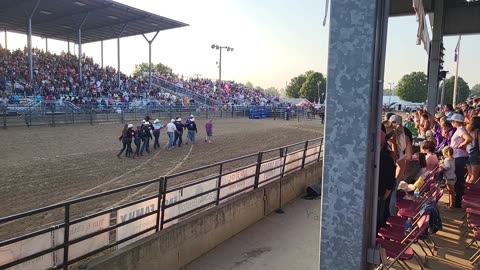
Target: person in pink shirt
x: 458, y: 143
x: 428, y: 147
x: 209, y: 130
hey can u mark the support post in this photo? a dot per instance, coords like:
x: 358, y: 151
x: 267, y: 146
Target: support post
x: 354, y: 189
x: 6, y: 43
x: 150, y: 58
x: 46, y: 44
x: 118, y: 54
x: 433, y: 65
x: 220, y: 68
x: 443, y: 93
x: 101, y: 53
x: 80, y: 71
x: 80, y: 49
x: 66, y: 236
x: 29, y: 40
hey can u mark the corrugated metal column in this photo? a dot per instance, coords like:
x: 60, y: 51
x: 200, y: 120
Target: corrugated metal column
x: 349, y: 197
x: 150, y: 58
x: 434, y: 62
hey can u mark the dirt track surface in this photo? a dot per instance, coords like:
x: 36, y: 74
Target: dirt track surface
x: 45, y: 165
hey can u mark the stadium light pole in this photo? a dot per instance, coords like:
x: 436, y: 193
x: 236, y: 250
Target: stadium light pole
x: 220, y: 62
x: 150, y: 57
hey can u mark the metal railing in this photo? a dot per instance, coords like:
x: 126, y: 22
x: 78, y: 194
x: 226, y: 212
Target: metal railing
x: 69, y: 113
x: 177, y: 202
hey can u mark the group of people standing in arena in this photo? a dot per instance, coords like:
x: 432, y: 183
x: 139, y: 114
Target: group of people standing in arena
x: 142, y: 135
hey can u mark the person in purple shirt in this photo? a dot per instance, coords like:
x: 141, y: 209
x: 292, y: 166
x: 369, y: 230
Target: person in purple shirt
x: 445, y: 136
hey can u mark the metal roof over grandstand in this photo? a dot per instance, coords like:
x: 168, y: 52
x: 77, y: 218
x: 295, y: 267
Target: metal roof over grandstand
x: 103, y: 19
x: 461, y: 16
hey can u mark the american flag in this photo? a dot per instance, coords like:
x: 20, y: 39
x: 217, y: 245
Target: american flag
x: 455, y: 57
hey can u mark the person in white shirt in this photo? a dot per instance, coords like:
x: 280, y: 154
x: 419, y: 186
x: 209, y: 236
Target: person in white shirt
x: 171, y: 128
x: 156, y: 133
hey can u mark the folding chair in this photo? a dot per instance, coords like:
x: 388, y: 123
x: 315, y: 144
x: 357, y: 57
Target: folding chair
x: 402, y: 251
x: 398, y: 233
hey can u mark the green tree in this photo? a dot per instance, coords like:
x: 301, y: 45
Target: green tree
x: 463, y: 91
x: 249, y: 85
x: 272, y: 91
x: 475, y: 91
x: 143, y: 67
x: 293, y: 89
x: 413, y: 87
x: 311, y: 89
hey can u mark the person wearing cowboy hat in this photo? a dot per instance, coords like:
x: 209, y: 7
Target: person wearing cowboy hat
x: 179, y: 132
x: 171, y: 128
x: 189, y: 119
x: 156, y: 133
x: 146, y: 136
x: 191, y: 131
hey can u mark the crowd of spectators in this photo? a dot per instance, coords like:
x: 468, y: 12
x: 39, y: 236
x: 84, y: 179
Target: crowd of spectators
x: 449, y: 140
x: 56, y: 78
x: 225, y: 92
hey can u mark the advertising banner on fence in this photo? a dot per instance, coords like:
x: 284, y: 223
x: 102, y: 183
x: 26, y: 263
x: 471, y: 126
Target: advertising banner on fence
x: 270, y: 175
x: 312, y: 154
x: 26, y: 248
x: 172, y: 197
x: 131, y: 212
x: 294, y: 165
x: 189, y: 192
x: 52, y: 239
x: 81, y: 229
x: 235, y: 176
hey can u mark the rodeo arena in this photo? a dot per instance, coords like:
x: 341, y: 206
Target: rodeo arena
x: 103, y: 170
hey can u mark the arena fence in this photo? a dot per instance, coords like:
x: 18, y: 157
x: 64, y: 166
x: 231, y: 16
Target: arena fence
x: 76, y: 239
x: 42, y: 114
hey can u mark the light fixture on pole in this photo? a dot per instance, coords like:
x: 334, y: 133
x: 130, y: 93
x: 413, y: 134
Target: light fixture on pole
x: 220, y: 61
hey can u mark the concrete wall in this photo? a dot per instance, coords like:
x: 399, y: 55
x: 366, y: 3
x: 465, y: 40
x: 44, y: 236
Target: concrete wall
x: 173, y: 248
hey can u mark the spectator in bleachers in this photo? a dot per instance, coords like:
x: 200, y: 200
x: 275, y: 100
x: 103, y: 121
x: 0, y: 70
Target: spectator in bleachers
x: 459, y: 142
x: 473, y: 150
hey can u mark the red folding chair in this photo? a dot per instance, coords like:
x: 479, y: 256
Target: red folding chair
x: 402, y: 251
x: 398, y: 233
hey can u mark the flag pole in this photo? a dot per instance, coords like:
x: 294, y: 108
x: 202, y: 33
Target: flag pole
x: 456, y: 71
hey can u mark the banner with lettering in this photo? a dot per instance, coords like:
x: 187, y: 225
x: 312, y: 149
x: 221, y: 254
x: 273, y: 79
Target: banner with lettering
x: 30, y: 246
x: 131, y: 212
x: 268, y: 173
x: 249, y: 173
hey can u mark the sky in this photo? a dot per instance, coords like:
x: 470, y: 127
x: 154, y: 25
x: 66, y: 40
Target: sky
x: 273, y: 41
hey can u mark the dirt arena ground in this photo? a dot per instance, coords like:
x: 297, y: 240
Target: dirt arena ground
x: 41, y: 166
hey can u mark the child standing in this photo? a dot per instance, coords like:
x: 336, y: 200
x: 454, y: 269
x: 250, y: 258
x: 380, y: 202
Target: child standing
x: 209, y: 130
x: 448, y: 166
